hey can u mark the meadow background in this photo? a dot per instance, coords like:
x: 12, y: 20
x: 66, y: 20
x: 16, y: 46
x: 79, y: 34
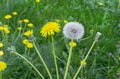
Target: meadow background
x: 104, y: 60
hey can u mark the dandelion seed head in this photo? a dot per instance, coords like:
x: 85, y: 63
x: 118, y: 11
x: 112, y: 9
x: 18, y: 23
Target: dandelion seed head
x: 73, y: 30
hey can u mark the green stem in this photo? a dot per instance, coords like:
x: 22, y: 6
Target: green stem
x: 55, y: 62
x: 84, y: 60
x: 42, y: 61
x: 0, y: 74
x: 68, y: 62
x: 30, y: 64
x: 89, y: 51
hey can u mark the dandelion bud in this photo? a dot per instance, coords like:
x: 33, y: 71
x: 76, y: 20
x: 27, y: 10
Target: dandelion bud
x: 97, y: 36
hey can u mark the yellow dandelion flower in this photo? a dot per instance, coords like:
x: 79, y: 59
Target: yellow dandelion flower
x: 26, y: 20
x: 5, y: 25
x: 38, y: 1
x: 6, y: 30
x: 91, y: 31
x: 20, y: 21
x: 30, y: 25
x: 65, y: 21
x: 14, y: 13
x: 57, y: 20
x: 72, y: 44
x: 19, y: 28
x: 25, y: 41
x: 29, y: 45
x: 82, y: 62
x: 49, y: 29
x: 3, y: 66
x: 28, y: 33
x: 1, y: 44
x: 1, y: 27
x: 100, y: 4
x: 1, y: 52
x: 8, y: 16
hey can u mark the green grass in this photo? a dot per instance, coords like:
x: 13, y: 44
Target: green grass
x: 103, y: 61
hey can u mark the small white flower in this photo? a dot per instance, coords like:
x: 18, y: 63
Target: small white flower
x: 73, y: 30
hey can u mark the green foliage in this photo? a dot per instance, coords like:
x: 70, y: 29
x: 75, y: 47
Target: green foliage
x: 103, y: 61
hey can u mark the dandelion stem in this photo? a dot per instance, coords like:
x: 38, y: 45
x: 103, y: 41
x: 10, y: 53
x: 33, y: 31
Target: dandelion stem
x: 55, y: 62
x: 68, y: 62
x: 0, y: 74
x: 42, y: 61
x: 30, y: 64
x: 84, y: 60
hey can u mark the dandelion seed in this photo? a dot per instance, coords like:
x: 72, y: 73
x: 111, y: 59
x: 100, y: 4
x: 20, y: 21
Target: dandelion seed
x: 3, y: 66
x: 1, y: 45
x: 14, y: 13
x: 72, y: 44
x: 49, y: 29
x: 8, y: 17
x: 1, y: 53
x: 73, y: 30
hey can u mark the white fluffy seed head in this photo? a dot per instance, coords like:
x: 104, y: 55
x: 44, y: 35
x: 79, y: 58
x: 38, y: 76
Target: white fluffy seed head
x: 73, y: 30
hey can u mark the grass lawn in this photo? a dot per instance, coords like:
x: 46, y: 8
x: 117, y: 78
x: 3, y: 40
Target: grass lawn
x: 29, y: 54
